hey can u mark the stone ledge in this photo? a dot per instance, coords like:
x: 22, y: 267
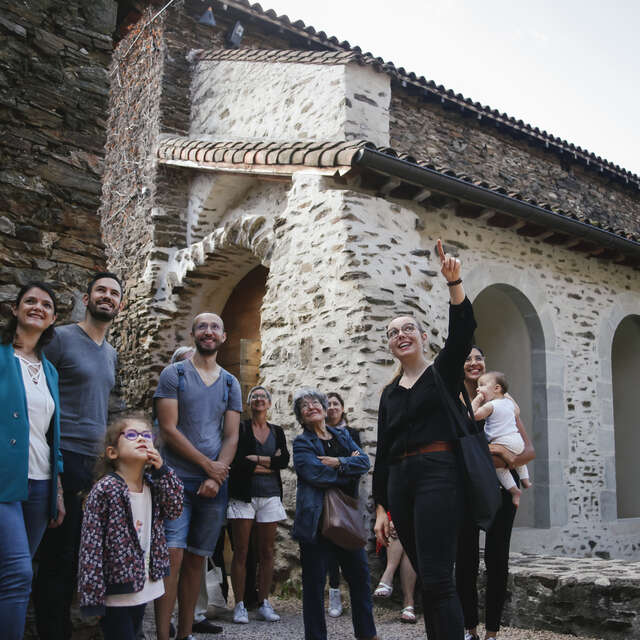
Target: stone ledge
x: 581, y: 596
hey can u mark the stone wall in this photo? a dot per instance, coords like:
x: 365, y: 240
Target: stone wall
x: 297, y: 102
x: 54, y: 90
x: 459, y: 142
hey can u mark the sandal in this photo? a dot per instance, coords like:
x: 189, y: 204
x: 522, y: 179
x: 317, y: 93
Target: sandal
x: 383, y: 591
x: 408, y: 615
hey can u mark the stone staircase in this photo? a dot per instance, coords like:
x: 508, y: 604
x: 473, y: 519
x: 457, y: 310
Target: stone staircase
x: 580, y: 596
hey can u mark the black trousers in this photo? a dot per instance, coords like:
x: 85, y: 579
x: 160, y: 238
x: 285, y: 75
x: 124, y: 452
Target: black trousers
x: 122, y: 623
x: 334, y: 572
x: 55, y: 583
x: 426, y: 501
x: 496, y: 560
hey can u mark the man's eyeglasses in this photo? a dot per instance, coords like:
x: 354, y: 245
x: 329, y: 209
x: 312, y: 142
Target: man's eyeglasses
x: 132, y: 434
x: 407, y: 329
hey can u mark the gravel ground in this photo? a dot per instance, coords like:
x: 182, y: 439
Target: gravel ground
x: 290, y: 627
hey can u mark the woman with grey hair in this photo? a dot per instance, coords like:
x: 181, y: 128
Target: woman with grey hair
x: 255, y: 495
x: 325, y: 457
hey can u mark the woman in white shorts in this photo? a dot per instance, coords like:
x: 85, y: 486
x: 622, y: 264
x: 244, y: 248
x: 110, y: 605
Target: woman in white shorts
x: 255, y: 495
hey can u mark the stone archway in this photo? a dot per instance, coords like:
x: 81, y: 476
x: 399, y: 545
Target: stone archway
x: 623, y: 306
x: 515, y: 318
x: 625, y: 373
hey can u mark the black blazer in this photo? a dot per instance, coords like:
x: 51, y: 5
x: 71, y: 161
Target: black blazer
x: 242, y: 469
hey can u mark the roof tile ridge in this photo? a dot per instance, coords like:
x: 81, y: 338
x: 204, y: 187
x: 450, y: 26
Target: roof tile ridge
x: 368, y: 58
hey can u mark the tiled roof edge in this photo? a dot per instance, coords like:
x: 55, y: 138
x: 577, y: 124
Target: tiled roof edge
x: 326, y: 154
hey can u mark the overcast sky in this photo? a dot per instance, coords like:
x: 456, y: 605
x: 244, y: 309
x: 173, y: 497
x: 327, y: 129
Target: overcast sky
x: 569, y: 67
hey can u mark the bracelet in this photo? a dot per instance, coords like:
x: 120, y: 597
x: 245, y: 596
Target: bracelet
x: 454, y: 283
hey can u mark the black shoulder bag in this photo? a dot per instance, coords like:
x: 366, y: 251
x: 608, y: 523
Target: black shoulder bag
x: 481, y: 484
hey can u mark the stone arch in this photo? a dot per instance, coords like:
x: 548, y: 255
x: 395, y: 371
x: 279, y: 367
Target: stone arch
x: 617, y: 324
x: 525, y: 320
x: 203, y: 275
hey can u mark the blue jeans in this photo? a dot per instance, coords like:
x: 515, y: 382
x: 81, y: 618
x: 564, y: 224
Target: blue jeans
x: 55, y: 583
x: 315, y: 558
x: 198, y: 527
x: 22, y: 525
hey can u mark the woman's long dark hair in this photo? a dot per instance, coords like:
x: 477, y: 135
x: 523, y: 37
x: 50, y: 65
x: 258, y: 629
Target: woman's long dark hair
x: 338, y: 397
x: 8, y: 334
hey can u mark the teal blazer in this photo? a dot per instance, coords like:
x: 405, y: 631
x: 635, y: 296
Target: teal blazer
x: 14, y: 430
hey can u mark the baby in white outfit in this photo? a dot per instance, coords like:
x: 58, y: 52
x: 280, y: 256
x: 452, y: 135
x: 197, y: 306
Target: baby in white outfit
x: 499, y: 414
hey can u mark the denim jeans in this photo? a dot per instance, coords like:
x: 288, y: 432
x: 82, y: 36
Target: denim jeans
x: 55, y: 582
x: 315, y: 557
x: 122, y: 623
x: 22, y: 525
x: 198, y: 528
x: 426, y: 502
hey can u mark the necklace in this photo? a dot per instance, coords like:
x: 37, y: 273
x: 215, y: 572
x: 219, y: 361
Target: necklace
x: 34, y: 369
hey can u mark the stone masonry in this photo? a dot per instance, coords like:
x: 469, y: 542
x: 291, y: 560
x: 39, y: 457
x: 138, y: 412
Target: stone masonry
x: 343, y: 255
x: 53, y: 105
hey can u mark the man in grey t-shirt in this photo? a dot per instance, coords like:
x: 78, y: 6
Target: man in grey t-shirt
x: 86, y: 365
x: 198, y: 405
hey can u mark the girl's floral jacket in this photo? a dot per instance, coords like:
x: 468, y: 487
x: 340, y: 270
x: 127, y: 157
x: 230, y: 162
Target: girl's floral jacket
x: 111, y: 558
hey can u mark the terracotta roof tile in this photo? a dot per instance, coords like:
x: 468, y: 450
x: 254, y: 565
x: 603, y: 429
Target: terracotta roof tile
x: 304, y: 152
x: 327, y: 155
x: 400, y: 74
x: 295, y: 56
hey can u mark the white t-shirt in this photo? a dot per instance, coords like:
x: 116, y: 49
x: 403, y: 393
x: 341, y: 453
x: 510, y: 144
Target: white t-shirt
x: 502, y: 421
x: 142, y: 514
x: 40, y: 407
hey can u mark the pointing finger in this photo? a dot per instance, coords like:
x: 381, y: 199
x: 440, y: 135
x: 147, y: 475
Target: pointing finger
x: 440, y: 250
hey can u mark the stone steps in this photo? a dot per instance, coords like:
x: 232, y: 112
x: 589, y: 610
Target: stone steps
x: 581, y: 596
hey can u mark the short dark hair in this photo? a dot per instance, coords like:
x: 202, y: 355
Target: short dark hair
x: 104, y: 274
x: 9, y: 330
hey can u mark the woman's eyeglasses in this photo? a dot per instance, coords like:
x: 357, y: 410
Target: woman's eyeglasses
x: 407, y: 329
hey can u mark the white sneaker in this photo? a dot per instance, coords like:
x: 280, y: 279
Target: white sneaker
x: 267, y: 613
x: 240, y: 615
x: 335, y: 603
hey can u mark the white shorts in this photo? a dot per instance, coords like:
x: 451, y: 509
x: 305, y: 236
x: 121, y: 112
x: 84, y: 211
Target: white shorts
x: 259, y: 509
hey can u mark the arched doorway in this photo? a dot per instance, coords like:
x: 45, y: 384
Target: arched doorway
x: 510, y: 333
x: 625, y: 368
x: 241, y: 316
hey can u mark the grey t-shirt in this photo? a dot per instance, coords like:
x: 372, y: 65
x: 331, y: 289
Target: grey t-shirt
x: 87, y: 374
x: 265, y: 485
x: 201, y: 412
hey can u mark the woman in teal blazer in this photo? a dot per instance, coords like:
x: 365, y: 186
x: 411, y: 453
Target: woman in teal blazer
x: 30, y: 459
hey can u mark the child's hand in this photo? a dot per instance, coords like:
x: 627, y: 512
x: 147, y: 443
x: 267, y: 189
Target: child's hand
x: 154, y: 458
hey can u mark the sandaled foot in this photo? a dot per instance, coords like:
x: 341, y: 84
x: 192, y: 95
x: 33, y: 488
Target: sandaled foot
x: 383, y: 591
x: 408, y: 615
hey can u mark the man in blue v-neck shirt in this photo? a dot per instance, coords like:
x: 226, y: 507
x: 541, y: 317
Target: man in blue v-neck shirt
x: 86, y: 365
x: 198, y: 405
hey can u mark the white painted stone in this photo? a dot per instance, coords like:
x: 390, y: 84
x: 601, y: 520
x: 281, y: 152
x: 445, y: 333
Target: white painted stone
x: 238, y: 100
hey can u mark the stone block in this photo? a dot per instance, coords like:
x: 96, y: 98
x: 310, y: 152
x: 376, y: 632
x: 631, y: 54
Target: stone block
x: 101, y: 15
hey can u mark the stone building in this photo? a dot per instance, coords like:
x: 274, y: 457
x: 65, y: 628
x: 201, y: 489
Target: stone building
x: 297, y: 186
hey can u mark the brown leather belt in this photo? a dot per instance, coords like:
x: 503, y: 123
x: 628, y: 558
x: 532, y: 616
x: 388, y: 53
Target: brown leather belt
x: 436, y: 445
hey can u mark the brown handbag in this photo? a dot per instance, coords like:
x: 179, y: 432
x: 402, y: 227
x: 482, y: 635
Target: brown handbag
x: 342, y: 523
